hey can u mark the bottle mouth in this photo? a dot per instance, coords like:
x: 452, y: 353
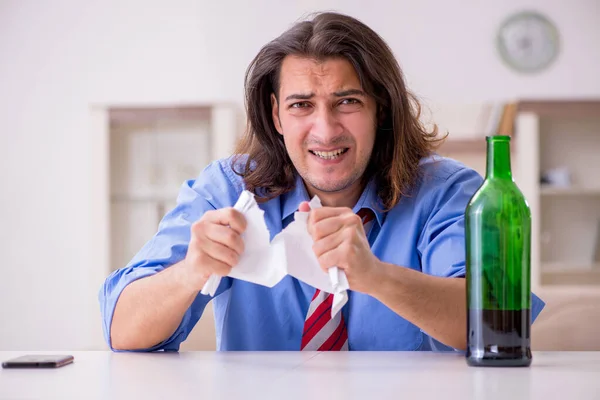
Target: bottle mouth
x: 498, y: 138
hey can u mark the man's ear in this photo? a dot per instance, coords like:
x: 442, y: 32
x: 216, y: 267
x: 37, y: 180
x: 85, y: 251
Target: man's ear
x: 275, y: 113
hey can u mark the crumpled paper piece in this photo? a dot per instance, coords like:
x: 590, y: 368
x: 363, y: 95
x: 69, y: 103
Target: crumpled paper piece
x: 290, y: 253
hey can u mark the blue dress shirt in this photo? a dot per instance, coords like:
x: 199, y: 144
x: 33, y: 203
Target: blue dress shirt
x: 424, y: 232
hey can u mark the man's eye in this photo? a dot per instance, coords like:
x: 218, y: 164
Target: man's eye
x: 350, y: 101
x: 301, y: 104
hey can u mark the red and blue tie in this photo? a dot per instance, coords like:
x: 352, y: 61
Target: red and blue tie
x: 321, y: 332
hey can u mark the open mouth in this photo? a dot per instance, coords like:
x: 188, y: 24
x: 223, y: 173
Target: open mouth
x: 329, y: 155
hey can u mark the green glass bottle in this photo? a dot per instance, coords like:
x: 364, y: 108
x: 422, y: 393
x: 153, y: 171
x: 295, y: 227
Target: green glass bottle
x: 498, y: 263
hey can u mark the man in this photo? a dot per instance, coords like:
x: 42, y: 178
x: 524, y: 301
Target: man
x: 328, y: 115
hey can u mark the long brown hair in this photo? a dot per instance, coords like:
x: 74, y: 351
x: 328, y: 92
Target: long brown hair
x: 401, y: 140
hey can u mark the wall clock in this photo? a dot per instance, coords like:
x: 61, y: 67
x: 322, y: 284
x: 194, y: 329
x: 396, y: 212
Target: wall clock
x: 528, y: 42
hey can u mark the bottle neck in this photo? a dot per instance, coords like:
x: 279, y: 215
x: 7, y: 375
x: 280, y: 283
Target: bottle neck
x: 498, y: 158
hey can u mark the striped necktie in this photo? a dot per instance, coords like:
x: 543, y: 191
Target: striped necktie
x: 321, y: 332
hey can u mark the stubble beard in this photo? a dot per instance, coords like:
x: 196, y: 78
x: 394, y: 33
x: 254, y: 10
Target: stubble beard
x: 333, y: 186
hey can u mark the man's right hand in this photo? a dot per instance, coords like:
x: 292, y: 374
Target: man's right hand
x: 215, y: 245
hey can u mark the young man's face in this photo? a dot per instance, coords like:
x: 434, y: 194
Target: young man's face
x: 328, y: 123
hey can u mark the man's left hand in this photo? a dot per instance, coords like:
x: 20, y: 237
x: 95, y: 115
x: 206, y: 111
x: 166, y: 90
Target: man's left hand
x: 340, y: 241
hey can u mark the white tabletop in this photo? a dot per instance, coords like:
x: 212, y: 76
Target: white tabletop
x: 301, y: 375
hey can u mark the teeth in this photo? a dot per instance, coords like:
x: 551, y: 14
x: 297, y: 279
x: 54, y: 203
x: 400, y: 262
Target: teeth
x: 330, y: 155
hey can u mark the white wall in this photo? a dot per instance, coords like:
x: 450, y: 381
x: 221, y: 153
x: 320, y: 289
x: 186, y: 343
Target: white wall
x: 57, y: 58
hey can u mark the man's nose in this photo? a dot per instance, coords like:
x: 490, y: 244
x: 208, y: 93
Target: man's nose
x: 327, y: 125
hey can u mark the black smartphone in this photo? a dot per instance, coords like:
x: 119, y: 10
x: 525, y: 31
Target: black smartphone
x: 38, y: 361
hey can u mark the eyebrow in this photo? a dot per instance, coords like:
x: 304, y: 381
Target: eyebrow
x: 298, y: 96
x: 308, y: 96
x: 350, y: 92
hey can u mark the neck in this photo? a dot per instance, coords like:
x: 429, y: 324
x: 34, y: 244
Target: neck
x: 347, y: 197
x: 498, y: 157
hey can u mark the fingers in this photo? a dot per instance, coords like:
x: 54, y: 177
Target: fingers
x: 205, y: 265
x: 336, y: 256
x: 326, y: 212
x: 222, y: 227
x: 216, y: 243
x: 227, y: 217
x: 226, y: 236
x: 304, y: 207
x: 220, y: 253
x: 331, y: 242
x: 320, y: 227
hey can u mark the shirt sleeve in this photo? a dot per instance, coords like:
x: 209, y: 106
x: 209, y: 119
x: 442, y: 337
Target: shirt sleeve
x: 442, y: 240
x: 212, y: 189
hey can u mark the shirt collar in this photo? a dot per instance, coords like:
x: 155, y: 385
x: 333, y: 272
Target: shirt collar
x: 368, y: 199
x: 292, y: 199
x: 371, y: 200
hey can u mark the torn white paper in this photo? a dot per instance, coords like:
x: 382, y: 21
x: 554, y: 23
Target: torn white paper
x: 290, y: 253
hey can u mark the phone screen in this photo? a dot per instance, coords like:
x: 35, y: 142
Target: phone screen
x: 38, y: 361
